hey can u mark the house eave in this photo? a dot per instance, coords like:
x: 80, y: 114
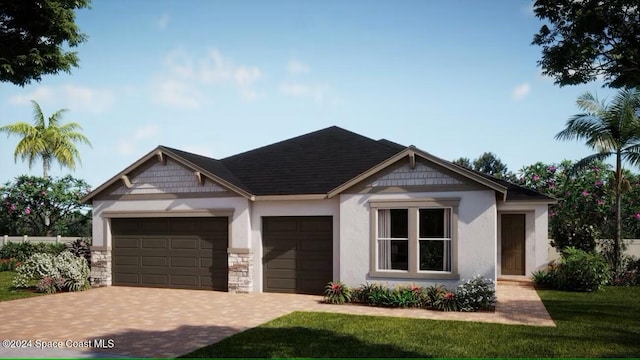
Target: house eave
x: 412, y: 152
x: 295, y: 197
x: 162, y: 154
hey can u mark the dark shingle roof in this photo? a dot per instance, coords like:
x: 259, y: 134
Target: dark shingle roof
x: 314, y: 163
x: 211, y: 165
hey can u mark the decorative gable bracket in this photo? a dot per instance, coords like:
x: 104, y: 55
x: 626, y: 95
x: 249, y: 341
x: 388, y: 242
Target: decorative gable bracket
x: 126, y: 181
x: 199, y: 177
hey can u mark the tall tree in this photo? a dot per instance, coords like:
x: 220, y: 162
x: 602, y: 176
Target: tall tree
x: 47, y: 140
x: 35, y: 36
x: 489, y: 163
x: 585, y: 39
x: 464, y: 162
x: 611, y: 130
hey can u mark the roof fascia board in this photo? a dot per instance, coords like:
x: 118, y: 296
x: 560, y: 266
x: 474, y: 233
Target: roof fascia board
x: 118, y: 177
x: 162, y: 153
x: 412, y: 152
x: 290, y: 197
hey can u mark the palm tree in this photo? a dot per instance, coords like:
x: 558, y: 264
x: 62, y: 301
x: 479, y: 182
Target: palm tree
x: 49, y: 142
x: 611, y: 130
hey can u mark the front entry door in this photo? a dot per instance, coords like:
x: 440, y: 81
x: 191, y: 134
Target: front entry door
x: 513, y: 244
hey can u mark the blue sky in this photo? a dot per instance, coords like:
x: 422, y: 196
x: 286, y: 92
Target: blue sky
x: 454, y: 78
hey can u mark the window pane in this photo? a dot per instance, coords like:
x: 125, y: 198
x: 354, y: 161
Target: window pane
x: 435, y: 255
x: 432, y: 223
x: 393, y: 255
x: 399, y: 223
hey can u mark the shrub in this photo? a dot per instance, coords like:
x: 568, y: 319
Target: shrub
x: 337, y: 293
x: 381, y: 297
x: 17, y: 250
x: 80, y: 248
x: 546, y: 278
x: 432, y: 295
x: 52, y: 273
x: 21, y: 251
x: 447, y: 302
x: 579, y: 270
x: 478, y: 293
x: 362, y: 293
x: 629, y: 274
x: 9, y: 264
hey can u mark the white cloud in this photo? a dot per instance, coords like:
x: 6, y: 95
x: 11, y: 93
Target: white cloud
x: 72, y: 97
x: 317, y: 92
x: 177, y: 93
x: 128, y: 145
x: 296, y: 67
x: 186, y: 77
x: 163, y: 21
x: 521, y: 91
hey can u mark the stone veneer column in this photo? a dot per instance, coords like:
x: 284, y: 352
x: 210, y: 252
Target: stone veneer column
x: 240, y: 270
x: 100, y: 267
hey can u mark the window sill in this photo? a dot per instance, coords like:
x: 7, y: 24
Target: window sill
x: 407, y: 275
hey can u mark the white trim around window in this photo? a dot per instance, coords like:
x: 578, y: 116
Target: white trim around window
x: 425, y: 249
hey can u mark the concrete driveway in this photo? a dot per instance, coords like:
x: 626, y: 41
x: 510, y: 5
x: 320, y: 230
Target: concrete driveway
x: 146, y: 322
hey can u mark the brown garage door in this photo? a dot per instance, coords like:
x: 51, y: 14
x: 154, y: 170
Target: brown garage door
x: 188, y: 253
x: 298, y: 253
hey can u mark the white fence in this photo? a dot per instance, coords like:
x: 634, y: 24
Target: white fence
x: 633, y: 249
x: 45, y: 239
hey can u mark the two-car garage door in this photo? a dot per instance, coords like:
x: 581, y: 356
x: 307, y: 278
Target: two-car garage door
x: 191, y: 253
x: 186, y: 253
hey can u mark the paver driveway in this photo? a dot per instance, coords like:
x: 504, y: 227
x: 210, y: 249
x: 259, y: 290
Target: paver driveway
x: 167, y: 322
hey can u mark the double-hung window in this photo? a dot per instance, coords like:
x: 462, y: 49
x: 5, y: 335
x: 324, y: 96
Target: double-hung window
x: 434, y: 239
x: 414, y: 239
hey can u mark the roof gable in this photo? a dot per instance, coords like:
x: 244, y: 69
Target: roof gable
x: 162, y: 178
x: 323, y: 164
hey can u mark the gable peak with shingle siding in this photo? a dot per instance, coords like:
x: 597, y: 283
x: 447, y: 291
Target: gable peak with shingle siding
x: 166, y: 178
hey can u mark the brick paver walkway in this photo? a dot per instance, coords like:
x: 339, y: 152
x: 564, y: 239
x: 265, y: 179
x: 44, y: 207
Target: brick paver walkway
x: 167, y: 323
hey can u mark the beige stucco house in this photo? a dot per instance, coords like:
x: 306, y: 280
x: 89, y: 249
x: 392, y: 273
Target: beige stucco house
x: 291, y: 216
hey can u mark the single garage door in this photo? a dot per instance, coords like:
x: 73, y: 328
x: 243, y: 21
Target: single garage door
x: 188, y: 253
x: 298, y: 253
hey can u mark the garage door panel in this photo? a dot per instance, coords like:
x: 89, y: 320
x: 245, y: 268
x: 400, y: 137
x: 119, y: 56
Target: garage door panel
x: 176, y: 252
x: 184, y: 280
x: 277, y: 225
x: 154, y: 261
x: 127, y: 242
x: 125, y: 227
x: 190, y: 262
x: 279, y: 263
x: 154, y: 243
x: 315, y: 245
x: 154, y: 226
x: 298, y: 254
x: 315, y: 226
x: 281, y: 285
x: 126, y: 260
x: 127, y: 278
x: 185, y: 243
x: 155, y: 279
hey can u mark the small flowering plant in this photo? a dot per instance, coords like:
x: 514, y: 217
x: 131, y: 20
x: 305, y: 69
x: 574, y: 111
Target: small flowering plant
x: 479, y: 293
x: 337, y: 292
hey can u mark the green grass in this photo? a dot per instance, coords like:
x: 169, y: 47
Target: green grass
x: 7, y: 292
x: 603, y: 324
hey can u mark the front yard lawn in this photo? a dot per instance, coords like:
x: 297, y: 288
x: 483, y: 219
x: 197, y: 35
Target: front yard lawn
x: 7, y: 292
x: 603, y: 324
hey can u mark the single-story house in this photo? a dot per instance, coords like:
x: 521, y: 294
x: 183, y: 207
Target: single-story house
x: 294, y: 215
